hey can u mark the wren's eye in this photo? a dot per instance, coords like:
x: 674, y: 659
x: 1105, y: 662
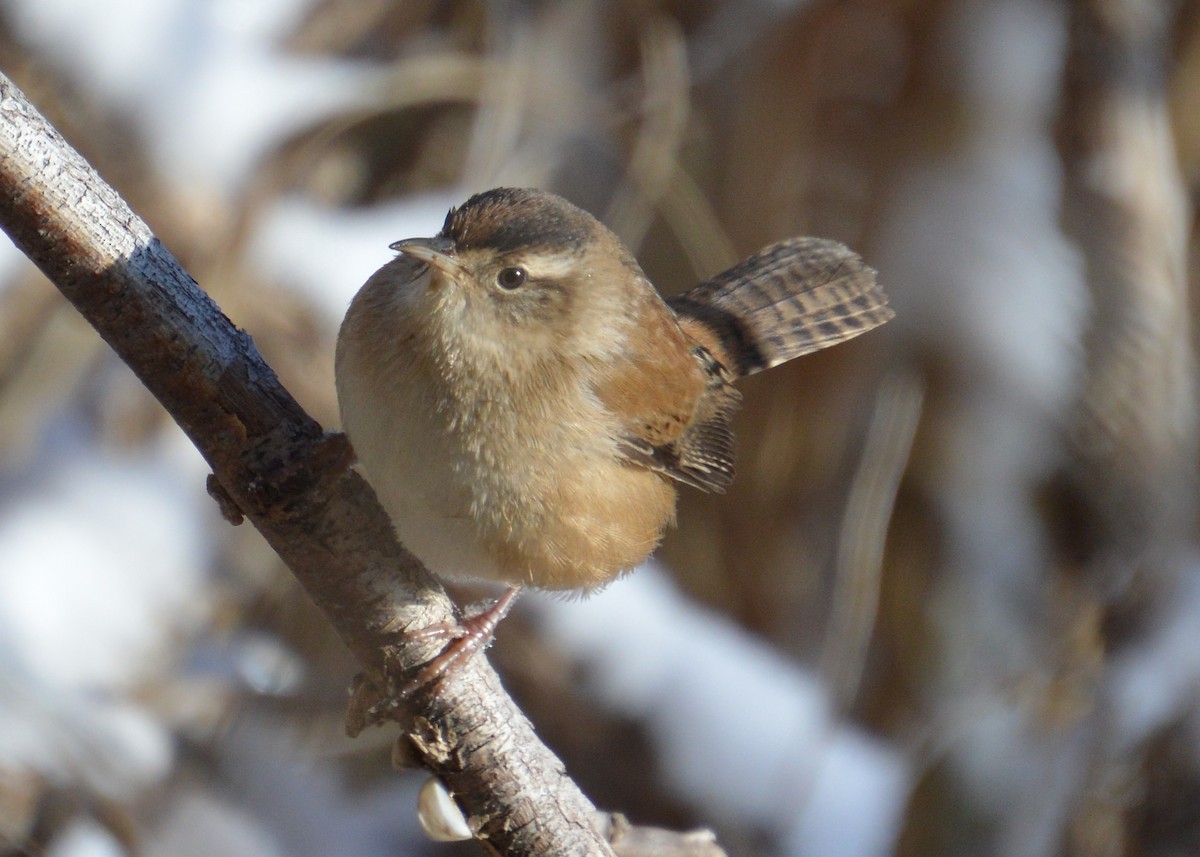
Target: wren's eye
x: 511, y: 278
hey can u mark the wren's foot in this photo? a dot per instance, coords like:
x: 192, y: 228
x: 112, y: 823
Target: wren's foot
x: 467, y: 637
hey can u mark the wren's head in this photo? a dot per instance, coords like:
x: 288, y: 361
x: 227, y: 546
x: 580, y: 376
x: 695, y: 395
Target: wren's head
x: 519, y: 220
x: 524, y: 269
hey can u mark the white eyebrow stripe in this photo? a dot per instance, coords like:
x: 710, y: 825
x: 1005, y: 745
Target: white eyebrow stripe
x: 543, y: 267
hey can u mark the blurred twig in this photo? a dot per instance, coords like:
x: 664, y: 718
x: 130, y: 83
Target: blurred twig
x: 855, y: 601
x: 665, y: 108
x: 1132, y: 475
x: 292, y: 481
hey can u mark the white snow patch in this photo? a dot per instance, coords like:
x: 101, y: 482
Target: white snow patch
x: 85, y: 838
x: 328, y: 254
x: 740, y: 731
x: 101, y: 577
x: 99, y: 567
x: 205, y: 80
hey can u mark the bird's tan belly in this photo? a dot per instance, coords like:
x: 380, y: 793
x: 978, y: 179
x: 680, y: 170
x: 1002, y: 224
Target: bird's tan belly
x: 582, y: 531
x: 559, y: 511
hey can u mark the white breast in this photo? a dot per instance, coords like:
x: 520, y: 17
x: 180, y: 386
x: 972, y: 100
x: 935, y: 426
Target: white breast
x: 410, y: 459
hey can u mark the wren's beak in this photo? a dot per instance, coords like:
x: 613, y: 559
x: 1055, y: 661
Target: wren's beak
x: 435, y: 252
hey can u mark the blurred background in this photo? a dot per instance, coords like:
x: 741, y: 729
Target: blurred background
x: 952, y: 603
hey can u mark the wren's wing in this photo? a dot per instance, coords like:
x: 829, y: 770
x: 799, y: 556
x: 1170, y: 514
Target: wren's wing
x: 794, y: 297
x: 673, y: 401
x: 697, y: 451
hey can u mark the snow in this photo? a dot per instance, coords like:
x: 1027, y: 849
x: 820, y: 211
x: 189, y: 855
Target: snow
x: 739, y: 730
x: 101, y: 572
x: 327, y: 255
x: 203, y: 80
x: 119, y: 567
x: 85, y: 838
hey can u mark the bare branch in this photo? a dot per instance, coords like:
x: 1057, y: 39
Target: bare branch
x: 290, y: 479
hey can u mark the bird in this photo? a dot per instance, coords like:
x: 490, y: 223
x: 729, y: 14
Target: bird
x: 525, y: 403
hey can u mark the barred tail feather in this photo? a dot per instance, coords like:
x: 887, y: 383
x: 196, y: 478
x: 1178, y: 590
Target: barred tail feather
x: 797, y: 296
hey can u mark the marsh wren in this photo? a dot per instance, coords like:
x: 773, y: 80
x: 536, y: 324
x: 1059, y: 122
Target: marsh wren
x: 525, y: 403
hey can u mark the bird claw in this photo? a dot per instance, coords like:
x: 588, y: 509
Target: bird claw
x: 471, y: 634
x: 373, y: 699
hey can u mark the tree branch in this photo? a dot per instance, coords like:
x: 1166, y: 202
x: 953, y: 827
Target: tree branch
x: 290, y: 479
